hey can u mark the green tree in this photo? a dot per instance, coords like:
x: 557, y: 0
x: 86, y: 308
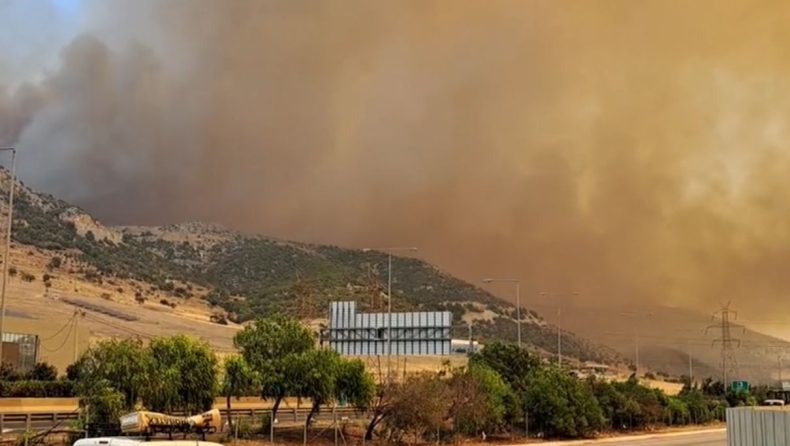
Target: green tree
x: 238, y: 380
x: 316, y: 374
x: 112, y: 376
x: 644, y: 406
x: 186, y: 375
x: 512, y: 363
x: 355, y: 383
x: 697, y: 403
x: 561, y: 404
x: 420, y: 406
x: 614, y: 404
x: 481, y: 400
x: 271, y: 347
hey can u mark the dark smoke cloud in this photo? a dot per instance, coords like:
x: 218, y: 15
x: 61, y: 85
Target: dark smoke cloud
x: 635, y: 151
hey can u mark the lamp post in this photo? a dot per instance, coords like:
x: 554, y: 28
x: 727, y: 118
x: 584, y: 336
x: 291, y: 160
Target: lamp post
x: 518, y: 302
x: 690, y: 353
x: 636, y: 334
x: 389, y: 252
x: 6, y: 256
x: 559, y: 323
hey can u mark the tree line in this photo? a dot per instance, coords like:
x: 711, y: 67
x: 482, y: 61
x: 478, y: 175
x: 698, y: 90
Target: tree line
x: 502, y: 391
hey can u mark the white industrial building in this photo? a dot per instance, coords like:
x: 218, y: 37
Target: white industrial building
x: 365, y: 334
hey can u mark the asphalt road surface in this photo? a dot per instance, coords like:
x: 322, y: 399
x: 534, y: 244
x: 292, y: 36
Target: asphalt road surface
x: 701, y: 439
x: 704, y: 438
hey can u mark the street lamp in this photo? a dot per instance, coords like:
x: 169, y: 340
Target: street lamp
x: 559, y: 323
x: 636, y: 333
x: 6, y: 256
x: 518, y: 302
x: 690, y: 353
x: 389, y: 252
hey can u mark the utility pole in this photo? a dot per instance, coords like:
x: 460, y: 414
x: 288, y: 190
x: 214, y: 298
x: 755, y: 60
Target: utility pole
x: 559, y: 321
x: 389, y: 300
x: 471, y: 343
x: 518, y: 303
x: 6, y: 256
x: 77, y: 315
x: 729, y: 365
x: 636, y: 336
x: 690, y: 353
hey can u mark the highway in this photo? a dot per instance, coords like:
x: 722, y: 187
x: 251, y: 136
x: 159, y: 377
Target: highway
x: 702, y: 438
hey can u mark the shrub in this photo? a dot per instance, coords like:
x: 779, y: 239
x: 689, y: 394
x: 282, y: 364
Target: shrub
x: 12, y: 270
x: 561, y: 405
x: 42, y: 372
x: 54, y: 262
x: 27, y: 277
x: 37, y: 389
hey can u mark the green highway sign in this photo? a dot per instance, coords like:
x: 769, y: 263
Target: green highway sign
x: 740, y: 385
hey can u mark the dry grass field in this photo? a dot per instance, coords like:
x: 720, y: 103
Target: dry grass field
x: 49, y: 305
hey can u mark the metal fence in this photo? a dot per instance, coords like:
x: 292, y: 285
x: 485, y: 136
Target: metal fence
x: 758, y: 426
x: 41, y: 421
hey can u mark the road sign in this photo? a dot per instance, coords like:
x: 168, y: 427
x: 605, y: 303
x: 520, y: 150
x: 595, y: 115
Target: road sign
x: 342, y: 400
x: 740, y: 385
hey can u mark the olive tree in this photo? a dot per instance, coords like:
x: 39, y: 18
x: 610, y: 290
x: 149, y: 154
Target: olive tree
x: 238, y: 380
x: 184, y: 375
x: 271, y: 346
x: 316, y: 372
x: 111, y: 377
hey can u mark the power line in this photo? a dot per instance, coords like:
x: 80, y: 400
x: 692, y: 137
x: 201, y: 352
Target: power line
x: 61, y: 329
x: 65, y: 338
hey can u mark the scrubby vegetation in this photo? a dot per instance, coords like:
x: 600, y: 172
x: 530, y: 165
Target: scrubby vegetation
x: 252, y: 276
x: 503, y: 391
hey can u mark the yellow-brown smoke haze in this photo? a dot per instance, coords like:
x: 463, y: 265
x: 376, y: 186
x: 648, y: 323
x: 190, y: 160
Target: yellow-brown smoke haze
x: 633, y: 150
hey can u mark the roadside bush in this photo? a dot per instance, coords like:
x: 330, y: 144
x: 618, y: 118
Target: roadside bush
x: 37, y: 389
x: 482, y: 401
x: 561, y: 405
x: 419, y: 407
x: 42, y: 372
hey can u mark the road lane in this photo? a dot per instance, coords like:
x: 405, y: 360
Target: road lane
x: 702, y: 438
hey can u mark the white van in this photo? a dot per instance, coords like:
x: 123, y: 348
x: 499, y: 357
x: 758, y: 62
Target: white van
x: 773, y: 403
x: 140, y: 441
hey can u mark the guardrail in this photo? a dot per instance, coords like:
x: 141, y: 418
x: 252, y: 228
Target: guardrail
x: 46, y: 420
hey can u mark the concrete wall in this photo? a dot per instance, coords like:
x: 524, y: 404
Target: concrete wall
x: 59, y: 344
x: 758, y: 426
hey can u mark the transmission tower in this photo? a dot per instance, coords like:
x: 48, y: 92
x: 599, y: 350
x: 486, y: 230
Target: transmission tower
x: 729, y: 365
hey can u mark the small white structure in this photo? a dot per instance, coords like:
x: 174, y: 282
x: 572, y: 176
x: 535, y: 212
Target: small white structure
x: 463, y: 346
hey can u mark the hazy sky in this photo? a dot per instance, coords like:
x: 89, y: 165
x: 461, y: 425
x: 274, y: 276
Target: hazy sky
x: 633, y: 150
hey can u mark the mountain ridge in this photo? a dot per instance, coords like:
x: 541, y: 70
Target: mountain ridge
x: 239, y: 277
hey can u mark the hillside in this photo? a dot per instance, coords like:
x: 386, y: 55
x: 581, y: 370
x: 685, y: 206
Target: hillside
x: 668, y: 335
x: 172, y: 276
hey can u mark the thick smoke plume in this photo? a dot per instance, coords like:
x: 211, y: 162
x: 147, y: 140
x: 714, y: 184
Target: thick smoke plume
x: 635, y: 151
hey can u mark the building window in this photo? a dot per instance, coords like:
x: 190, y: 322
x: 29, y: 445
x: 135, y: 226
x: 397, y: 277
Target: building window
x: 23, y: 357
